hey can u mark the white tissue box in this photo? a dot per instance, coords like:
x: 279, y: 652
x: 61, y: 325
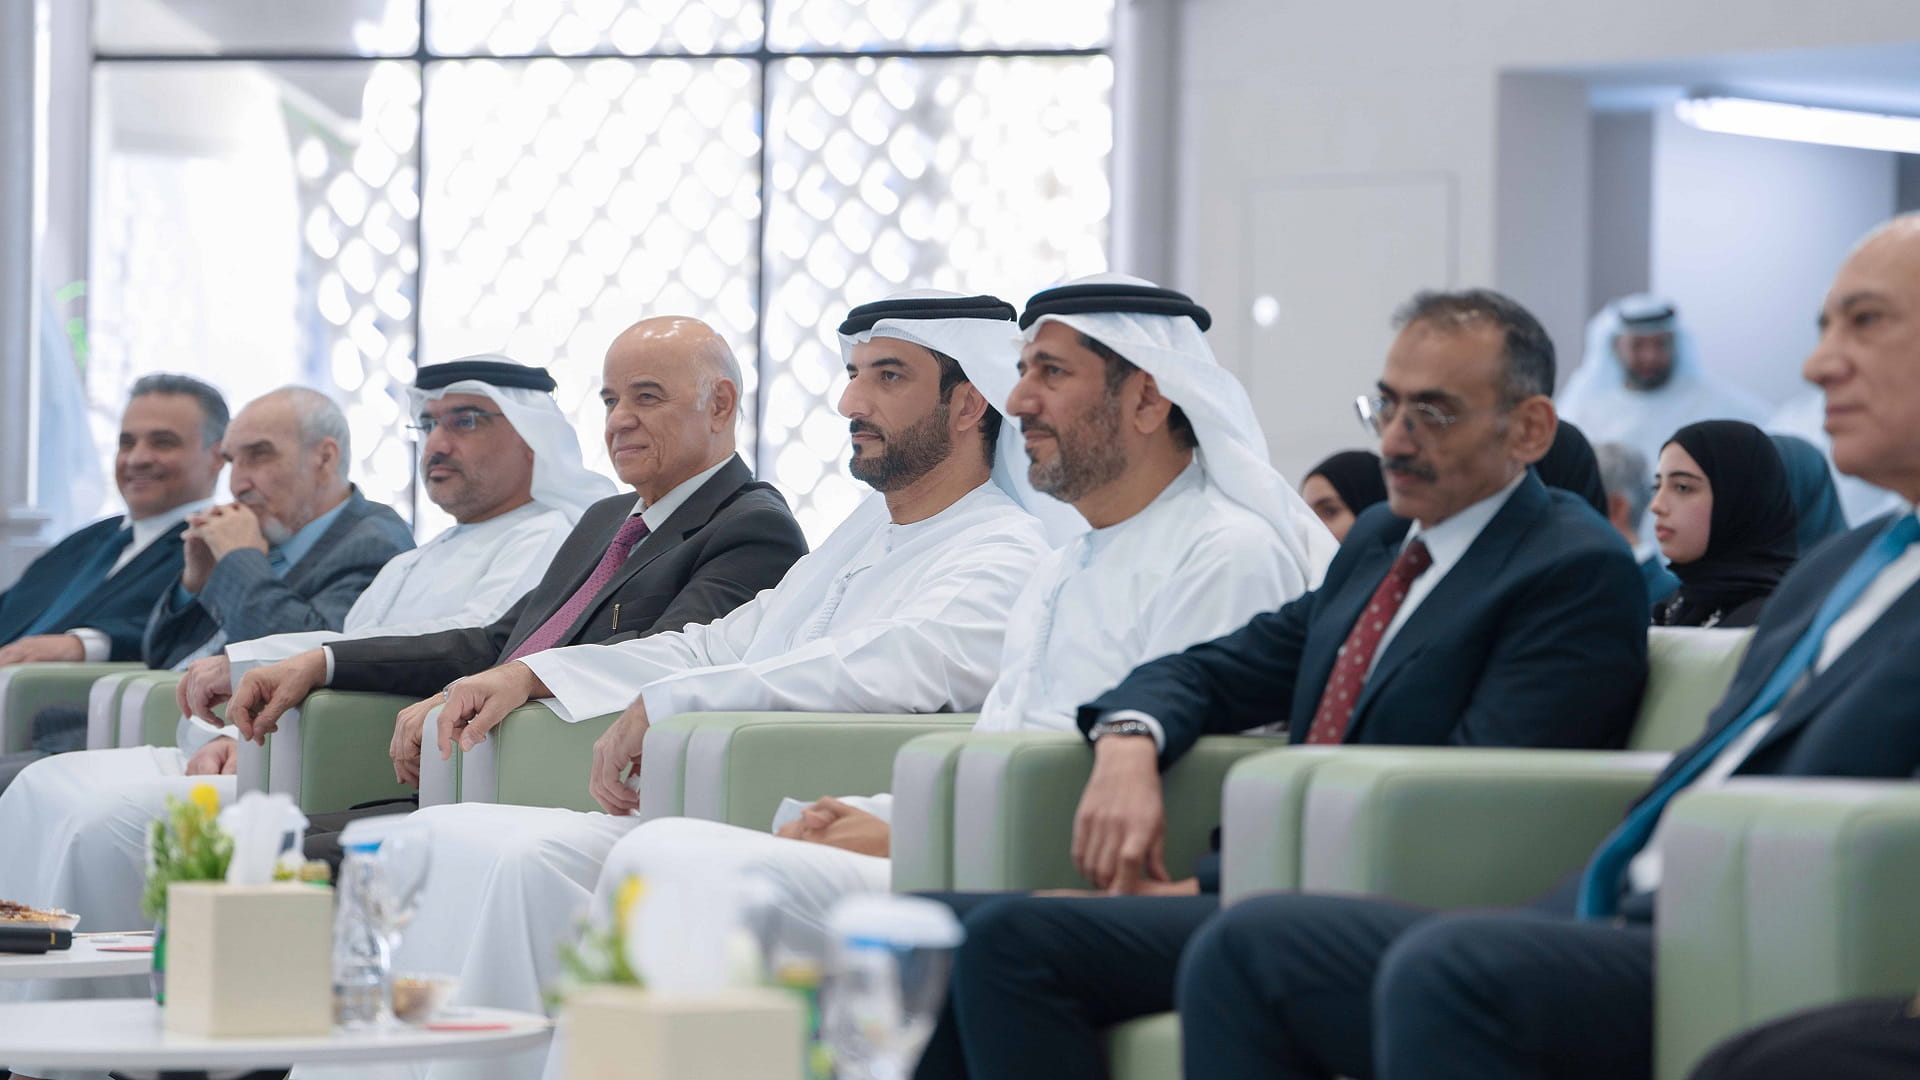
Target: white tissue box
x: 249, y: 959
x: 631, y: 1034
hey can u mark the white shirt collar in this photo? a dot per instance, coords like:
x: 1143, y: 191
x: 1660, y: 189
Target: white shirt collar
x: 148, y: 529
x: 1450, y: 539
x: 657, y: 513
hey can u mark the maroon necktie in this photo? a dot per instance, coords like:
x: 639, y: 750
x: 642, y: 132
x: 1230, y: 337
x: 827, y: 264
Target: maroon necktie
x: 1330, y: 720
x: 556, y: 625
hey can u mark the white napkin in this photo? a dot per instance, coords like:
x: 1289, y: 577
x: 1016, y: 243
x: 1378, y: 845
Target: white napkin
x: 259, y: 824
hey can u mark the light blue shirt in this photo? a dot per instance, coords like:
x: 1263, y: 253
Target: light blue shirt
x: 289, y: 554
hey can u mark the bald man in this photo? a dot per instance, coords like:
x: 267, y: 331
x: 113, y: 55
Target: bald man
x: 701, y: 538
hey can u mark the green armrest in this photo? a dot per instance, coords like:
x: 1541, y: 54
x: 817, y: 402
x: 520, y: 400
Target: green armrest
x: 1020, y: 791
x: 739, y: 766
x: 534, y: 758
x: 1688, y: 671
x: 334, y: 753
x: 923, y: 817
x: 148, y: 714
x: 25, y: 689
x: 1145, y: 1049
x: 1436, y: 826
x: 1778, y: 895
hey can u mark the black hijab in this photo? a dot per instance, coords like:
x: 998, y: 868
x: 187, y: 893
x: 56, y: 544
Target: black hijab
x: 1815, y: 498
x: 1751, y: 545
x: 1571, y: 466
x: 1355, y: 476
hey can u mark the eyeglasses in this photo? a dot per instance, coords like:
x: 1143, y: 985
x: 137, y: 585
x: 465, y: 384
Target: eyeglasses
x: 1378, y: 413
x: 464, y: 422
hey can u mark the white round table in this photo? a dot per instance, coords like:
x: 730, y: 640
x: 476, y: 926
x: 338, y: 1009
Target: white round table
x: 126, y: 1034
x: 89, y: 958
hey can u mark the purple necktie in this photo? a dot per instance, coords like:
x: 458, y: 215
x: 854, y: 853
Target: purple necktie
x: 556, y: 626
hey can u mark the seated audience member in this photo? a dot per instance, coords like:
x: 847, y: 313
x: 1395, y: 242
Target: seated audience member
x: 1724, y: 516
x: 1299, y: 985
x: 1869, y: 1039
x: 700, y: 538
x: 1176, y: 555
x: 1629, y: 486
x: 1343, y: 485
x: 1477, y: 607
x: 292, y: 552
x: 295, y: 548
x: 1816, y: 500
x: 90, y: 596
x: 1570, y: 465
x: 512, y: 485
x: 902, y: 609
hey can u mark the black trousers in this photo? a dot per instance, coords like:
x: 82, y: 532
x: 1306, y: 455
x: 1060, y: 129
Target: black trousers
x: 1293, y: 985
x: 323, y: 829
x: 1867, y: 1040
x: 57, y: 729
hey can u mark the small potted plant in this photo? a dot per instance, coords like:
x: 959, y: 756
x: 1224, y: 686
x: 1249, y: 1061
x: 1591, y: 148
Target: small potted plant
x: 184, y: 844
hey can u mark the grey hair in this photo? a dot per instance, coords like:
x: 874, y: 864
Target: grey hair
x: 319, y: 418
x: 213, y: 407
x: 720, y: 364
x: 1623, y: 472
x: 1528, y: 350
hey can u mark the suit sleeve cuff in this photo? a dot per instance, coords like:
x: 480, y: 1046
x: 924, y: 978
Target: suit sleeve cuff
x: 1159, y: 733
x: 95, y: 646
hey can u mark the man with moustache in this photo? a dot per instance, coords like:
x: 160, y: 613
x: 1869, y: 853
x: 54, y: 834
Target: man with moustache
x: 1189, y: 533
x: 499, y: 457
x: 901, y: 609
x: 1477, y: 608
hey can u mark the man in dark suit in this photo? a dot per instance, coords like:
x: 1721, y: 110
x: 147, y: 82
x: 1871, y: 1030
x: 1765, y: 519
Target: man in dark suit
x: 701, y: 538
x: 293, y: 550
x: 1295, y: 986
x: 1477, y: 608
x: 89, y: 597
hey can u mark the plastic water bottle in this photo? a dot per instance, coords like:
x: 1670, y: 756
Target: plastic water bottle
x: 886, y: 979
x: 361, y: 961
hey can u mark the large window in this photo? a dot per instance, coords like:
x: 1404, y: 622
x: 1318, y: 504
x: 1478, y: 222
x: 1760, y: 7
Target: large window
x: 332, y: 193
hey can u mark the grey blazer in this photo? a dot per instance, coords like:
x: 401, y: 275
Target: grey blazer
x: 244, y: 599
x: 732, y: 538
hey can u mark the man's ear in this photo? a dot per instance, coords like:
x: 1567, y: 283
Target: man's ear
x: 1151, y: 412
x: 1531, y: 427
x: 723, y: 403
x: 966, y: 408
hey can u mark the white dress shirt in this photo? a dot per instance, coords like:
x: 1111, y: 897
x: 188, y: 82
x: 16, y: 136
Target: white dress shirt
x: 146, y: 530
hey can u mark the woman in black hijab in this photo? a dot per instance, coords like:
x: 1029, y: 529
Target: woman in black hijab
x: 1342, y: 486
x: 1725, y: 521
x: 1571, y: 466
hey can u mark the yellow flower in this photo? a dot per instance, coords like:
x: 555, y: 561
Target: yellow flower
x: 206, y: 798
x: 631, y: 890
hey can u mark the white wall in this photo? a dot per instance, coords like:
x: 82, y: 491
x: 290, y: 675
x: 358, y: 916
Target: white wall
x: 1746, y: 236
x: 1619, y: 258
x: 1309, y: 136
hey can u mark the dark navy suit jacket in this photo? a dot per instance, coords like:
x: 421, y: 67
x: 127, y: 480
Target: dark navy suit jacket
x: 117, y: 607
x: 1860, y: 716
x: 1536, y: 637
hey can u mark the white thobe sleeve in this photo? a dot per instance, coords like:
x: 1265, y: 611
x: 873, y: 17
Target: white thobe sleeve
x: 938, y: 649
x: 594, y: 680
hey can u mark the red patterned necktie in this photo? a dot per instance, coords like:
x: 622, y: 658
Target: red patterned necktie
x: 1335, y: 713
x: 560, y: 621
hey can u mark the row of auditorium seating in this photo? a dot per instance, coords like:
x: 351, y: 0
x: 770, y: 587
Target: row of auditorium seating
x: 1780, y: 894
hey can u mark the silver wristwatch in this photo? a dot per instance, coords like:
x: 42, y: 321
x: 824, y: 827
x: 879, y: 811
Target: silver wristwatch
x: 1119, y: 727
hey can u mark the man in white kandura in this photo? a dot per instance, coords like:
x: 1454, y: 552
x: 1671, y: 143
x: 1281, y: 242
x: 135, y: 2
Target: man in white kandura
x: 498, y: 455
x: 1127, y: 417
x: 901, y: 609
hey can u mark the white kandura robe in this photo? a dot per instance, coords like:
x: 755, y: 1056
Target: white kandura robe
x: 76, y: 823
x: 881, y: 618
x: 1190, y: 567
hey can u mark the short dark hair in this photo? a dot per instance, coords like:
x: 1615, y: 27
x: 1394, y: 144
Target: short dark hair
x: 213, y: 407
x: 1528, y: 350
x: 1119, y: 368
x: 952, y: 375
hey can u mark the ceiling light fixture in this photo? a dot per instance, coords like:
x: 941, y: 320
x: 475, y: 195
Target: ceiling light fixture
x: 1801, y: 123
